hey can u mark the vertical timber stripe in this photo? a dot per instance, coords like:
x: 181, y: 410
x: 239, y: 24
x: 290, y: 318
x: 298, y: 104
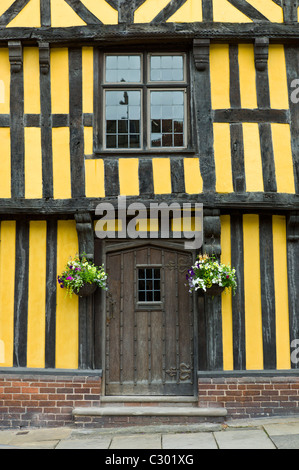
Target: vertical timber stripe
x: 51, y: 286
x: 21, y: 294
x: 146, y: 179
x: 267, y: 292
x: 76, y: 124
x: 177, y: 175
x: 207, y: 10
x: 17, y: 133
x: 292, y: 60
x: 46, y: 134
x: 45, y: 12
x: 238, y: 301
x: 111, y: 177
x: 293, y: 256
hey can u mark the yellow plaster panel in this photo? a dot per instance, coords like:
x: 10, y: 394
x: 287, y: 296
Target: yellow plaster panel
x: 222, y: 151
x: 7, y: 287
x: 31, y: 80
x: 128, y: 176
x: 162, y: 175
x: 87, y: 79
x: 37, y: 294
x: 281, y: 292
x: 227, y: 13
x: 284, y: 170
x: 4, y: 81
x: 149, y: 10
x: 61, y: 163
x: 253, y: 158
x: 88, y: 140
x: 4, y: 5
x: 252, y: 284
x: 220, y: 76
x: 278, y: 85
x: 102, y: 10
x: 33, y: 163
x: 190, y: 12
x: 269, y: 9
x: 62, y: 15
x: 247, y: 75
x: 227, y: 314
x: 29, y: 17
x: 67, y: 308
x: 60, y: 81
x: 5, y: 163
x: 193, y: 179
x: 94, y: 178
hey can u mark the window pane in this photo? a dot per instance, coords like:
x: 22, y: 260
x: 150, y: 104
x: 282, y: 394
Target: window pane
x: 167, y: 117
x: 167, y: 68
x: 149, y: 288
x: 123, y: 118
x: 123, y: 68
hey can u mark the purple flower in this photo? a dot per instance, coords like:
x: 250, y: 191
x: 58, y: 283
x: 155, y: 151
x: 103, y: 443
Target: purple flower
x: 69, y: 278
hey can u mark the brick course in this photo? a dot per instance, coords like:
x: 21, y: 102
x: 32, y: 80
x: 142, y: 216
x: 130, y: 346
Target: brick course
x: 250, y: 397
x: 45, y: 400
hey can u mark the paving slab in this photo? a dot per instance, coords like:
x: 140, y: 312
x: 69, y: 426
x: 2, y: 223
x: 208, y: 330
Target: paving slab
x: 147, y: 441
x: 243, y: 439
x: 189, y: 441
x: 282, y: 428
x: 290, y: 442
x: 92, y: 443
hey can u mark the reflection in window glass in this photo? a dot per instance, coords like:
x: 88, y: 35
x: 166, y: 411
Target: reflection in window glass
x: 167, y: 119
x: 149, y: 287
x: 123, y: 115
x: 123, y: 69
x: 167, y: 68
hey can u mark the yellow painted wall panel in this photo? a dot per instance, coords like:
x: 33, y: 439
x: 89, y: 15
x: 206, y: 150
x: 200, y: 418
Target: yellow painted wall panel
x: 281, y: 136
x: 87, y: 79
x: 4, y: 5
x: 62, y: 15
x: 31, y: 80
x: 222, y: 152
x: 227, y: 314
x: 60, y: 81
x: 88, y: 140
x: 4, y: 81
x: 149, y: 10
x: 67, y: 308
x: 5, y: 164
x: 61, y: 163
x: 253, y: 158
x: 193, y: 179
x: 190, y: 12
x: 102, y: 10
x: 220, y: 76
x: 128, y: 176
x: 224, y: 11
x: 161, y: 175
x: 37, y: 294
x: 279, y: 97
x: 7, y: 286
x: 28, y: 17
x: 33, y: 163
x: 247, y: 74
x: 252, y: 285
x: 281, y: 292
x: 269, y: 9
x: 94, y: 178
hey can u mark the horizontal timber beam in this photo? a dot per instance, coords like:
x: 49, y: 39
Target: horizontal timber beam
x: 122, y: 33
x: 273, y: 202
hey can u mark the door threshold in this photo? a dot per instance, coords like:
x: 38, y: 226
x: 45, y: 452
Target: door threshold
x: 148, y: 398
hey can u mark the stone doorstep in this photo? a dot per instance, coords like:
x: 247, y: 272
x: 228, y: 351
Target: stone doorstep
x: 149, y: 411
x: 149, y: 401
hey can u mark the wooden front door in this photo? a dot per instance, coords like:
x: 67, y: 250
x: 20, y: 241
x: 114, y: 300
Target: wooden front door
x: 149, y: 326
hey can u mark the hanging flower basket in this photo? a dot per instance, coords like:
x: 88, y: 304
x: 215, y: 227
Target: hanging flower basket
x: 210, y: 277
x: 81, y: 277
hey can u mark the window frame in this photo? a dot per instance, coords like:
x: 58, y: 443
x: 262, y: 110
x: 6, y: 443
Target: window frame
x: 145, y: 86
x: 149, y: 305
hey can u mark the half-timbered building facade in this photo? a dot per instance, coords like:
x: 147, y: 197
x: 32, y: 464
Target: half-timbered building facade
x: 185, y: 101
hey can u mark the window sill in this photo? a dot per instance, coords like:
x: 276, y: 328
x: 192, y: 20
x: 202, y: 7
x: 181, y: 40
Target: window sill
x: 141, y: 153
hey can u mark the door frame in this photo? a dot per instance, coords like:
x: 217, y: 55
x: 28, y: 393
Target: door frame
x: 102, y: 249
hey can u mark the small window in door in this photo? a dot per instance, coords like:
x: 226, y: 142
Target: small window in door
x: 149, y: 284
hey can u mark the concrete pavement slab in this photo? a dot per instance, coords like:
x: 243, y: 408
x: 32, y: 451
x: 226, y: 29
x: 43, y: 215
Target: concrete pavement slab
x: 282, y: 428
x: 189, y: 441
x: 243, y: 439
x: 290, y: 442
x: 92, y: 443
x: 147, y: 441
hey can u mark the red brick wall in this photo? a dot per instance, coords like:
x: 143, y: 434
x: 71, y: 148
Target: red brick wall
x: 248, y: 397
x: 44, y: 400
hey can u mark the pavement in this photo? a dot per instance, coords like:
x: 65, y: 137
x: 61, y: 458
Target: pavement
x: 260, y: 433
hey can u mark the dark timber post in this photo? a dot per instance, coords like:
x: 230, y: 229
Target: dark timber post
x: 293, y: 256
